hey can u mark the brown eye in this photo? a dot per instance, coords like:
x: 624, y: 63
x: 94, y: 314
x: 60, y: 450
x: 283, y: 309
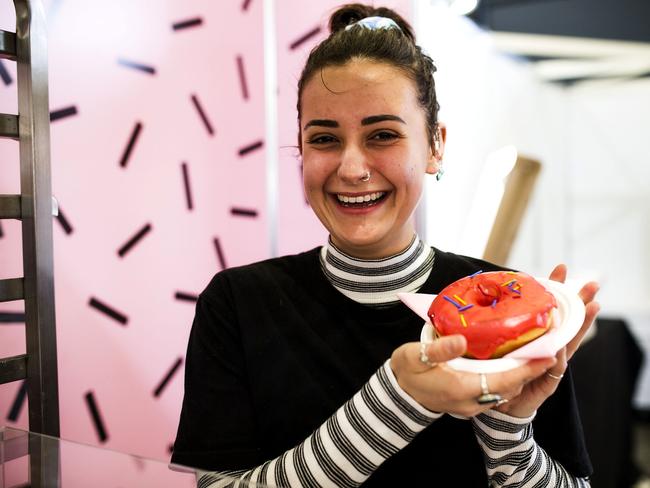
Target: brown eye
x: 384, y: 136
x: 321, y: 140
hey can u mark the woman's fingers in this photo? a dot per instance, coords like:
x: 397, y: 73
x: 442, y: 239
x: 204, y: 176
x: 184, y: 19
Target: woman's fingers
x: 591, y: 310
x: 558, y: 273
x: 446, y: 348
x: 515, y: 379
x: 442, y: 389
x: 588, y: 292
x: 418, y: 357
x: 560, y: 366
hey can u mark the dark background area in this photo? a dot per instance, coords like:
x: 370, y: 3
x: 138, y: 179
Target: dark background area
x: 627, y: 20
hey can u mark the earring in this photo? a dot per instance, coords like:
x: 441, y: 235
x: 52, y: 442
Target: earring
x: 439, y: 174
x: 365, y: 177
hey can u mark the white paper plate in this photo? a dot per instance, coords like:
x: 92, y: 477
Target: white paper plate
x: 568, y: 318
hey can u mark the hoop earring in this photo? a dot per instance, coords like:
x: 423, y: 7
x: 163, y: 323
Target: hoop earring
x: 439, y: 174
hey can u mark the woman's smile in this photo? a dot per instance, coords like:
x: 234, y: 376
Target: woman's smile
x: 364, y: 202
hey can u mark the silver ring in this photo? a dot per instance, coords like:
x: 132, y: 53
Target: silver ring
x: 423, y: 354
x: 366, y: 176
x: 486, y: 396
x: 501, y: 402
x: 555, y: 377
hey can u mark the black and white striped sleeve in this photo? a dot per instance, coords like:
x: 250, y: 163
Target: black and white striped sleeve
x: 378, y: 421
x: 512, y: 457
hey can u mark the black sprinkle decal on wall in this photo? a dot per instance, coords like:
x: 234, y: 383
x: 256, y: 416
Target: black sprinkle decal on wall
x: 63, y: 113
x: 204, y: 117
x: 163, y: 383
x: 2, y: 233
x: 12, y: 317
x: 65, y: 224
x: 121, y: 252
x: 305, y: 37
x: 184, y: 24
x: 96, y: 417
x: 245, y: 5
x: 186, y: 297
x: 251, y: 147
x: 19, y: 401
x: 129, y: 147
x: 5, y: 75
x: 137, y: 66
x: 220, y: 255
x: 107, y: 310
x: 242, y: 77
x: 186, y: 184
x: 243, y: 212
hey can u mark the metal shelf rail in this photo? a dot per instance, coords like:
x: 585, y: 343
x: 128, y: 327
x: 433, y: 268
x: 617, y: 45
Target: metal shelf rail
x: 33, y: 206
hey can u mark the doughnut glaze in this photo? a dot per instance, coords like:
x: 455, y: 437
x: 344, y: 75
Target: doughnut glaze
x: 496, y: 311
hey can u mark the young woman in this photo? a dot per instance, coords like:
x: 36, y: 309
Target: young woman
x: 302, y: 370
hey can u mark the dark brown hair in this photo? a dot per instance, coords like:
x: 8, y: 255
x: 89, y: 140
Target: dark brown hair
x: 392, y: 46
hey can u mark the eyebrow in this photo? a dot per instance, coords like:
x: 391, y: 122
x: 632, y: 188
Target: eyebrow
x: 373, y: 119
x: 321, y: 123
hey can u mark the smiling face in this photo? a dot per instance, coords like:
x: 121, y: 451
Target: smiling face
x: 364, y: 117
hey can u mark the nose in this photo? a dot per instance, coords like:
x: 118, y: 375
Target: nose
x: 353, y: 165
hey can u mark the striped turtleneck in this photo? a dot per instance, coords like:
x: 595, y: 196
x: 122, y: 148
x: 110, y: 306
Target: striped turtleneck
x: 381, y: 418
x: 376, y: 282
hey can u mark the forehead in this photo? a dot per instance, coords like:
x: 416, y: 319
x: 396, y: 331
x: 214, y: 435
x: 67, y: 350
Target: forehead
x: 359, y: 86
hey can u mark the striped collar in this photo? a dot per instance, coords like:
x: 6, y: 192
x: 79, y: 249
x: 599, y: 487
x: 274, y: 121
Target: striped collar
x: 377, y: 282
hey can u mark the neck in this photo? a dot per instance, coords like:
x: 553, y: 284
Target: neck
x: 377, y: 281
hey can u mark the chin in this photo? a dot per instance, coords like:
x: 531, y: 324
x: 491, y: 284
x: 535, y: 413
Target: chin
x: 366, y: 247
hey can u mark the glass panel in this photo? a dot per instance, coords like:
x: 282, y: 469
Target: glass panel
x: 28, y: 459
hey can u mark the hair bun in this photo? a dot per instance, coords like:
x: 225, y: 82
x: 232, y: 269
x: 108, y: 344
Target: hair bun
x: 354, y: 12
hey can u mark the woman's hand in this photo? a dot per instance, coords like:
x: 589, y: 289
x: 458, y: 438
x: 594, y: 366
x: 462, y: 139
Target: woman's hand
x: 440, y: 388
x: 531, y: 397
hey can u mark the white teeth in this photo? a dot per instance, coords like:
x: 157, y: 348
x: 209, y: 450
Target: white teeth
x: 361, y: 199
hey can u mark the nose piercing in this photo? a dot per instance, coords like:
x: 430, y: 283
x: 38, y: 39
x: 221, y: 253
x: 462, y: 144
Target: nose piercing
x: 365, y: 177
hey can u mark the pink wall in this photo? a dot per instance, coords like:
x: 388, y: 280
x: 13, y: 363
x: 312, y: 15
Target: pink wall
x: 106, y: 203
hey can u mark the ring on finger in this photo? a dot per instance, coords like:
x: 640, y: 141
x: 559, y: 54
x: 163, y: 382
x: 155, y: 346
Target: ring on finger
x: 554, y: 376
x: 501, y: 402
x: 423, y: 355
x: 487, y: 397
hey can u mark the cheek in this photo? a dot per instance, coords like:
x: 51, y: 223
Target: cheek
x: 403, y: 175
x: 313, y: 178
x: 410, y: 181
x: 315, y: 170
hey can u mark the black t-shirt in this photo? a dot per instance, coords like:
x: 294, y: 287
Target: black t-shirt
x: 275, y: 350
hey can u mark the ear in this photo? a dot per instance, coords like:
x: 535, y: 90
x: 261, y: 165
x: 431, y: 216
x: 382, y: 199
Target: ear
x: 438, y: 150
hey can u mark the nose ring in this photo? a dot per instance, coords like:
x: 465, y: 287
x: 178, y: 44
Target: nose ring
x: 365, y: 177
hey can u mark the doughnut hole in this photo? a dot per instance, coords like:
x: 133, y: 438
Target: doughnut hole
x: 486, y: 292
